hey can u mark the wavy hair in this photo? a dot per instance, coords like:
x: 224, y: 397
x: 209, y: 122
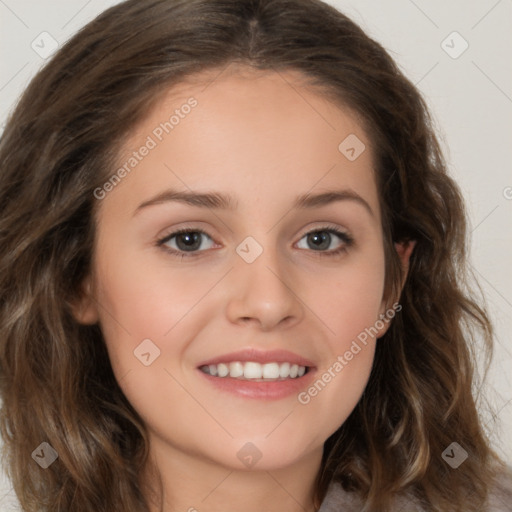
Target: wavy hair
x: 62, y: 141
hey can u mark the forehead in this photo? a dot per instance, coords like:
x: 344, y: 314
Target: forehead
x: 250, y: 132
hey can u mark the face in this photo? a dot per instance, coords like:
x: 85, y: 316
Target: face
x: 273, y: 286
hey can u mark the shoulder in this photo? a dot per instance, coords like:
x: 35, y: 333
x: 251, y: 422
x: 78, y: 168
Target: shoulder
x: 500, y: 498
x: 338, y: 499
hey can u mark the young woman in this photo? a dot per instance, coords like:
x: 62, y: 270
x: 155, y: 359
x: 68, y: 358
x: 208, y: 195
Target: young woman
x: 233, y: 274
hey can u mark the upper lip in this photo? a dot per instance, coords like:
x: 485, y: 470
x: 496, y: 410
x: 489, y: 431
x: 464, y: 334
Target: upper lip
x: 259, y: 356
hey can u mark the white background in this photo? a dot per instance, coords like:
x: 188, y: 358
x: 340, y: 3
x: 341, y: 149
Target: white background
x: 470, y: 98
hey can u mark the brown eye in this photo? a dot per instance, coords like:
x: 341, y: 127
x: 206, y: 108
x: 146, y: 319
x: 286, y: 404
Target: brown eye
x: 186, y: 241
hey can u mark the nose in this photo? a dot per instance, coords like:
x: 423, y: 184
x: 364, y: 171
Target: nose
x: 264, y: 292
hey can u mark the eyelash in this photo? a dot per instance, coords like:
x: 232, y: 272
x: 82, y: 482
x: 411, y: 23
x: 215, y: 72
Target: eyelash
x: 345, y: 237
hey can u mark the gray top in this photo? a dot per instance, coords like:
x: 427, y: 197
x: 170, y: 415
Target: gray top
x: 338, y: 500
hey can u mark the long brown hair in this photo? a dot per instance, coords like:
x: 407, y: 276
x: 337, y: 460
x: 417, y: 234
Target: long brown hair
x: 61, y: 143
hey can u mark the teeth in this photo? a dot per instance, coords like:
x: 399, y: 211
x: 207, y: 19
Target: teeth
x: 271, y: 371
x: 222, y: 370
x: 284, y: 370
x: 255, y: 371
x: 236, y: 369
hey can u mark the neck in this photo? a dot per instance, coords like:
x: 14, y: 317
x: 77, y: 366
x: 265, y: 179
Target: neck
x: 196, y: 484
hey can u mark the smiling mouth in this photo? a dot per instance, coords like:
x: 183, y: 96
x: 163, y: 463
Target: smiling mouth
x: 252, y: 371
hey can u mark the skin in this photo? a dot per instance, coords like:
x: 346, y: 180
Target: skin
x: 264, y: 138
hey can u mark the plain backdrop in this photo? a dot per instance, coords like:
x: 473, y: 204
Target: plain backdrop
x: 469, y: 92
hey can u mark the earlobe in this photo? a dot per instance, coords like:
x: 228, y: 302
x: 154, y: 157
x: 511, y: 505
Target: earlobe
x: 84, y: 309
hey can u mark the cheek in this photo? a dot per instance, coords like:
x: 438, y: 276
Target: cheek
x: 144, y: 299
x: 349, y: 308
x: 349, y: 300
x: 139, y: 302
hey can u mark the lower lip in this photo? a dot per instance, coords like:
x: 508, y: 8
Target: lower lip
x: 270, y: 390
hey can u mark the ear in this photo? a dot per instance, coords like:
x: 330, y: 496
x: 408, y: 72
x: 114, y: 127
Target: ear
x: 404, y: 251
x: 84, y: 309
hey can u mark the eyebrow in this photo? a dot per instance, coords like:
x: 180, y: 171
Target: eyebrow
x: 219, y: 200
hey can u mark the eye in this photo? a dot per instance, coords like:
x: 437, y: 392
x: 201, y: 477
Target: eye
x: 321, y: 239
x: 187, y: 241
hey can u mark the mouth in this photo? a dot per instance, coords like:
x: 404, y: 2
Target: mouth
x: 251, y: 373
